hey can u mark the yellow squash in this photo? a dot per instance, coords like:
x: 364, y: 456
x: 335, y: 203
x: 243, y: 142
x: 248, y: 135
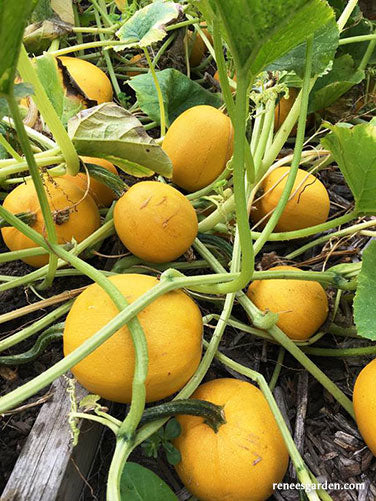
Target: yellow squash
x: 244, y: 458
x: 173, y: 329
x: 365, y: 404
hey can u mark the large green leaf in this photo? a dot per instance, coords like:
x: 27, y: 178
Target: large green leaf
x: 261, y: 31
x: 365, y: 298
x: 179, y: 94
x: 13, y: 16
x: 329, y: 88
x: 147, y: 25
x: 354, y: 150
x: 140, y: 484
x: 108, y: 131
x: 325, y: 45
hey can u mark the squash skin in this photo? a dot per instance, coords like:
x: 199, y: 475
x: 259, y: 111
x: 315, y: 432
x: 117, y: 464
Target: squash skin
x: 309, y: 206
x: 173, y: 329
x: 155, y: 222
x: 91, y: 80
x: 302, y: 305
x: 364, y: 399
x: 102, y: 195
x: 83, y: 220
x: 199, y: 157
x: 244, y: 458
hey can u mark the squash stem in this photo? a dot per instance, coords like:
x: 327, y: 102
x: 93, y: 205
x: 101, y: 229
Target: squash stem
x: 273, y: 221
x: 39, y: 187
x: 162, y: 109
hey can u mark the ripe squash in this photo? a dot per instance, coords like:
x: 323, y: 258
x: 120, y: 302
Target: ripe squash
x: 136, y: 61
x: 102, y: 195
x: 83, y: 219
x: 199, y: 143
x: 173, y: 329
x: 365, y: 404
x: 309, y: 205
x: 302, y: 305
x: 155, y: 221
x: 197, y: 46
x: 216, y: 77
x: 90, y: 79
x: 244, y: 458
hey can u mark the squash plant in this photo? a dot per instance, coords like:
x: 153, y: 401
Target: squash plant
x: 299, y: 37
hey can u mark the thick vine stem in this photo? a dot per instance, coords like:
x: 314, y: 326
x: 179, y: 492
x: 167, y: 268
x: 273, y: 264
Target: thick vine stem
x: 39, y: 187
x: 299, y: 144
x: 48, y: 112
x: 213, y: 414
x: 162, y: 109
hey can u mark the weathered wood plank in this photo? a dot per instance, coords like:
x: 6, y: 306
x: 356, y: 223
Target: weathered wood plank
x: 49, y: 468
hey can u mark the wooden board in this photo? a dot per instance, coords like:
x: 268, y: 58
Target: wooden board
x: 49, y: 468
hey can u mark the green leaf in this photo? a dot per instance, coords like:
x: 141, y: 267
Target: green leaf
x: 325, y: 44
x: 13, y: 16
x: 42, y: 11
x: 365, y: 297
x: 329, y: 88
x: 179, y: 94
x: 140, y: 484
x: 108, y: 131
x: 63, y: 9
x: 172, y: 429
x: 65, y: 104
x: 354, y: 150
x: 261, y: 31
x: 147, y: 25
x: 172, y: 454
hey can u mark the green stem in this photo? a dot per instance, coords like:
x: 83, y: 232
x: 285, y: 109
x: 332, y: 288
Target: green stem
x: 322, y: 378
x: 360, y: 38
x: 277, y: 368
x: 222, y: 70
x: 35, y: 327
x: 341, y: 352
x: 39, y: 187
x: 368, y: 54
x: 23, y: 165
x: 48, y: 112
x: 103, y: 12
x: 162, y: 110
x: 107, y: 58
x: 9, y: 148
x: 299, y: 144
x: 240, y: 191
x: 122, y: 450
x: 341, y: 23
x: 351, y: 230
x: 212, y: 414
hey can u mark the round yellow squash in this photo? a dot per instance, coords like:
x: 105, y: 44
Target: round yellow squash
x: 365, y: 404
x: 199, y: 144
x: 173, y: 328
x: 90, y: 79
x: 155, y: 222
x: 102, y: 195
x: 309, y: 205
x: 302, y: 305
x: 244, y: 458
x: 83, y: 219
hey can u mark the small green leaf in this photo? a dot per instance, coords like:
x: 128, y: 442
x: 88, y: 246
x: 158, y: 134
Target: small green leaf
x: 13, y: 16
x: 325, y: 44
x: 172, y: 429
x: 140, y: 484
x: 108, y: 131
x: 42, y: 11
x: 90, y: 402
x: 259, y: 32
x: 365, y: 297
x: 147, y: 25
x: 179, y: 94
x: 354, y: 150
x: 172, y: 454
x: 329, y: 88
